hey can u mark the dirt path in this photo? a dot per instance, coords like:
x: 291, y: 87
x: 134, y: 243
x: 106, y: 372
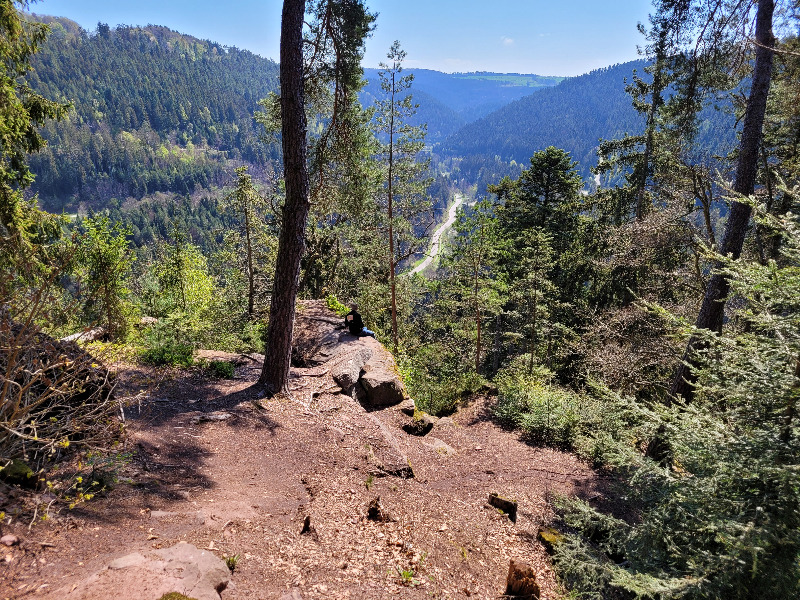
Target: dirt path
x: 245, y: 484
x: 437, y: 235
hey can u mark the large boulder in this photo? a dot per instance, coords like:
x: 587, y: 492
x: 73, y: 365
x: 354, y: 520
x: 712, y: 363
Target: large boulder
x: 382, y: 385
x: 347, y: 367
x: 318, y: 334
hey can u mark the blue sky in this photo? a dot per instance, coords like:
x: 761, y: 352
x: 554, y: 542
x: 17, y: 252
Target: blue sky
x: 546, y: 37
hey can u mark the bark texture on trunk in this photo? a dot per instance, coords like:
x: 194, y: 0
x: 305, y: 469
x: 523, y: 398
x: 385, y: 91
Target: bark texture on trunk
x: 713, y: 307
x: 392, y: 283
x: 278, y: 352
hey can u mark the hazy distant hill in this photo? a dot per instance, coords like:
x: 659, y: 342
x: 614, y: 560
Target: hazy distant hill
x: 573, y: 115
x: 450, y: 100
x: 154, y: 110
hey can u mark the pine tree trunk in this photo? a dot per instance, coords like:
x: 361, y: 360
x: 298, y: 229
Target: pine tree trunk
x: 656, y: 102
x: 391, y: 225
x: 478, y: 346
x: 713, y: 307
x: 278, y: 352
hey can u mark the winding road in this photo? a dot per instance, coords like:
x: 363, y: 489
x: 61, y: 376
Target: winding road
x: 437, y: 235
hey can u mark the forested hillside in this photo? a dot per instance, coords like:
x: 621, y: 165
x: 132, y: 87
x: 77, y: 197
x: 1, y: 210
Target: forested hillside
x: 574, y: 115
x: 152, y: 110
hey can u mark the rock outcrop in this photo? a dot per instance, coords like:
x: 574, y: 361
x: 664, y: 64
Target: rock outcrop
x: 361, y: 366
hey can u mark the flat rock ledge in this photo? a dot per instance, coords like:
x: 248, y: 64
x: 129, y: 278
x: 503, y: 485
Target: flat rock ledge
x: 183, y: 568
x: 361, y: 366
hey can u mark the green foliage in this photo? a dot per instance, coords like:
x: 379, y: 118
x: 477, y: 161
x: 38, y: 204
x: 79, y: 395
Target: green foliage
x: 174, y: 131
x: 548, y: 415
x: 221, y: 368
x: 407, y: 576
x: 336, y: 306
x: 724, y: 519
x: 22, y: 112
x: 441, y: 396
x: 168, y: 353
x: 472, y: 283
x: 251, y: 247
x: 595, y: 424
x: 104, y: 261
x: 175, y: 596
x: 232, y: 562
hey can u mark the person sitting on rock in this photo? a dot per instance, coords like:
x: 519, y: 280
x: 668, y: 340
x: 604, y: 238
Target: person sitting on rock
x: 355, y: 323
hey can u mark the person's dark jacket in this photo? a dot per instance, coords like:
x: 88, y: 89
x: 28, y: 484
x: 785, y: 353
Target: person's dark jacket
x: 354, y: 322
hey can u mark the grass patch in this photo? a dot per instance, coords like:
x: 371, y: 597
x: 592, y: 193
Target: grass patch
x: 231, y: 562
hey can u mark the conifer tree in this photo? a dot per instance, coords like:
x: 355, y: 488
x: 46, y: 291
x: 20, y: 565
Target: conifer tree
x: 711, y: 312
x: 22, y: 111
x: 249, y: 206
x: 104, y: 262
x: 407, y: 205
x: 341, y: 26
x: 471, y: 269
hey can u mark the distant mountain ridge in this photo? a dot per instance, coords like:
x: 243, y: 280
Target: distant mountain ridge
x: 573, y: 115
x: 449, y: 101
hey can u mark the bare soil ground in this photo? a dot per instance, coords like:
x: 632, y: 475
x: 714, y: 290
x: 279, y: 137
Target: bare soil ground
x: 245, y: 485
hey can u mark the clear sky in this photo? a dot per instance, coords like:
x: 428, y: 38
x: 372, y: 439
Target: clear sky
x: 546, y: 37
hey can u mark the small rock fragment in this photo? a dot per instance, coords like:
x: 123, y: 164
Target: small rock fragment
x: 407, y: 407
x: 521, y: 581
x: 9, y: 539
x: 162, y: 514
x: 421, y: 425
x: 441, y: 447
x: 376, y: 512
x: 446, y: 422
x: 509, y: 507
x: 215, y: 416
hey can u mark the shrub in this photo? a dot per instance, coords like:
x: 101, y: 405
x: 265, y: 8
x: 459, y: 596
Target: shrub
x: 53, y: 394
x: 221, y: 368
x: 722, y: 518
x: 336, y: 306
x: 596, y: 424
x: 442, y: 398
x: 176, y: 355
x: 547, y: 414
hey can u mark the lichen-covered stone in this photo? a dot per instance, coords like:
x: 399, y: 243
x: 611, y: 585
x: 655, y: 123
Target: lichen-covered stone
x: 549, y: 538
